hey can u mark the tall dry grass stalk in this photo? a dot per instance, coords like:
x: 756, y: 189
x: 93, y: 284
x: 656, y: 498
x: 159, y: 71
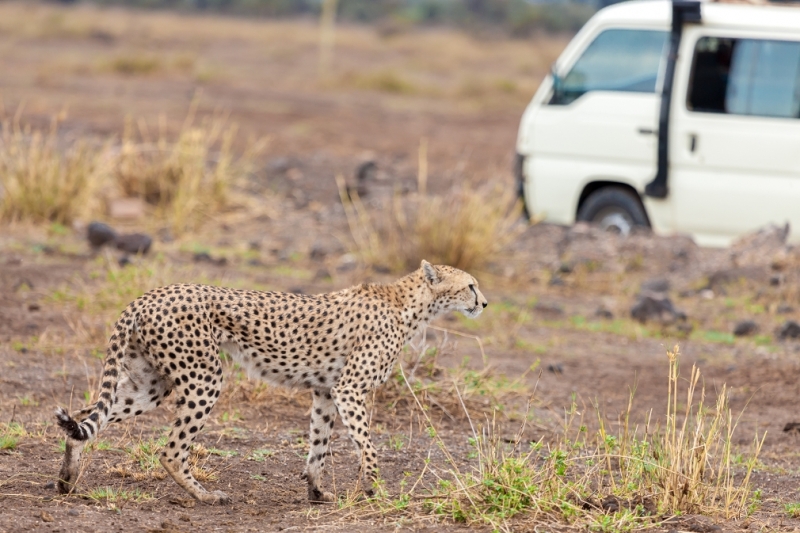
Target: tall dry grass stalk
x: 43, y: 180
x: 694, y: 453
x: 464, y: 228
x: 187, y: 179
x: 626, y: 479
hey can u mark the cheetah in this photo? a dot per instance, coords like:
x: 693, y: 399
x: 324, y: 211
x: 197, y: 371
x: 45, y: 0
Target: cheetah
x: 340, y: 345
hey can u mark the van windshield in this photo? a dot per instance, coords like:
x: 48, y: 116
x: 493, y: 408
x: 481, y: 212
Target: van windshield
x: 617, y: 60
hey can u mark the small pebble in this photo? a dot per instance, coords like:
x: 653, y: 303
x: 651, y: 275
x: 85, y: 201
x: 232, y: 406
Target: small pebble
x: 555, y: 368
x: 745, y: 328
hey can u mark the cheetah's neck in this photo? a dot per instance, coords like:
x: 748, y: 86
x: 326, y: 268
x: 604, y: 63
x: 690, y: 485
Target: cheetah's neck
x: 417, y: 303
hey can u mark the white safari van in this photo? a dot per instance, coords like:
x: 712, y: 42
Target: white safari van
x: 681, y: 116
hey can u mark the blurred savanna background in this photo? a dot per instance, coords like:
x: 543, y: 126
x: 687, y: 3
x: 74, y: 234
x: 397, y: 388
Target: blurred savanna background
x: 309, y: 145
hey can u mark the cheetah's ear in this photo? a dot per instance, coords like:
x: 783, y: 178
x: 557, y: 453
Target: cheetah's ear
x: 430, y: 272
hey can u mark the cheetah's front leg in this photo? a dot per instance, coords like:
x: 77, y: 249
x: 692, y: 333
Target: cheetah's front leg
x: 350, y: 404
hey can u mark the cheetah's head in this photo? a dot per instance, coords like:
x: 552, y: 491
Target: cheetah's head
x: 454, y: 289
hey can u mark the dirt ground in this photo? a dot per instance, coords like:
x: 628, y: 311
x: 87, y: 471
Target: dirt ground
x: 560, y: 298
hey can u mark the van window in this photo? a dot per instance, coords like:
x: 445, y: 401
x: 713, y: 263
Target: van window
x: 746, y: 77
x: 617, y: 60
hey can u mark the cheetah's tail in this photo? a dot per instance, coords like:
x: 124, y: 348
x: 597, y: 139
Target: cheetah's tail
x: 88, y: 427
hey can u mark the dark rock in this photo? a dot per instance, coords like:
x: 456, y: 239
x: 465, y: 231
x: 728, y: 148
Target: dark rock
x: 51, y: 485
x: 555, y: 368
x: 101, y: 36
x: 124, y: 261
x: 556, y: 281
x: 205, y: 257
x: 74, y: 512
x: 792, y: 426
x: 776, y: 280
x: 789, y: 330
x: 134, y: 243
x: 610, y: 504
x: 784, y: 308
x: 603, y: 312
x: 655, y: 285
x: 322, y: 273
x: 548, y: 309
x: 745, y: 328
x: 654, y: 307
x: 34, y: 307
x: 318, y: 252
x: 366, y: 170
x: 100, y: 234
x: 255, y: 262
x: 721, y: 278
x: 565, y: 268
x: 279, y: 165
x: 382, y: 269
x: 297, y: 290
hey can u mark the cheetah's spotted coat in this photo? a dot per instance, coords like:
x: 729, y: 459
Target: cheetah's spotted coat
x: 340, y: 345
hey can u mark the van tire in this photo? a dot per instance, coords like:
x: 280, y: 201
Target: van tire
x: 615, y: 209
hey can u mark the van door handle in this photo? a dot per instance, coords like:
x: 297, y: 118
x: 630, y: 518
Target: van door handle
x: 692, y: 142
x: 648, y: 131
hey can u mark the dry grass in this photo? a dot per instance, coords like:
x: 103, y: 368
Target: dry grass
x: 187, y: 179
x: 43, y: 178
x: 695, y: 453
x: 46, y: 178
x: 465, y: 228
x: 630, y: 479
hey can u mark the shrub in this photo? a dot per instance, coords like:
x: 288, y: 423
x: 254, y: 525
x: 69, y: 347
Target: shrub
x: 43, y: 181
x: 464, y: 228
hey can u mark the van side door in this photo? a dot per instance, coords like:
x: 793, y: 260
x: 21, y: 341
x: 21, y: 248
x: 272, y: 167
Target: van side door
x: 735, y: 134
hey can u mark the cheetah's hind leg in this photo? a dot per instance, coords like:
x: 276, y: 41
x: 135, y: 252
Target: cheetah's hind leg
x: 195, y: 397
x: 323, y: 414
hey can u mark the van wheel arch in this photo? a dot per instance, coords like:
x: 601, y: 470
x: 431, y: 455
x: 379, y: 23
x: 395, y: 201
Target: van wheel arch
x: 612, y: 204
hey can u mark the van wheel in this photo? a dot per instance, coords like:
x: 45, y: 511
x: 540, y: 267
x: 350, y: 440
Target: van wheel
x: 614, y: 209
